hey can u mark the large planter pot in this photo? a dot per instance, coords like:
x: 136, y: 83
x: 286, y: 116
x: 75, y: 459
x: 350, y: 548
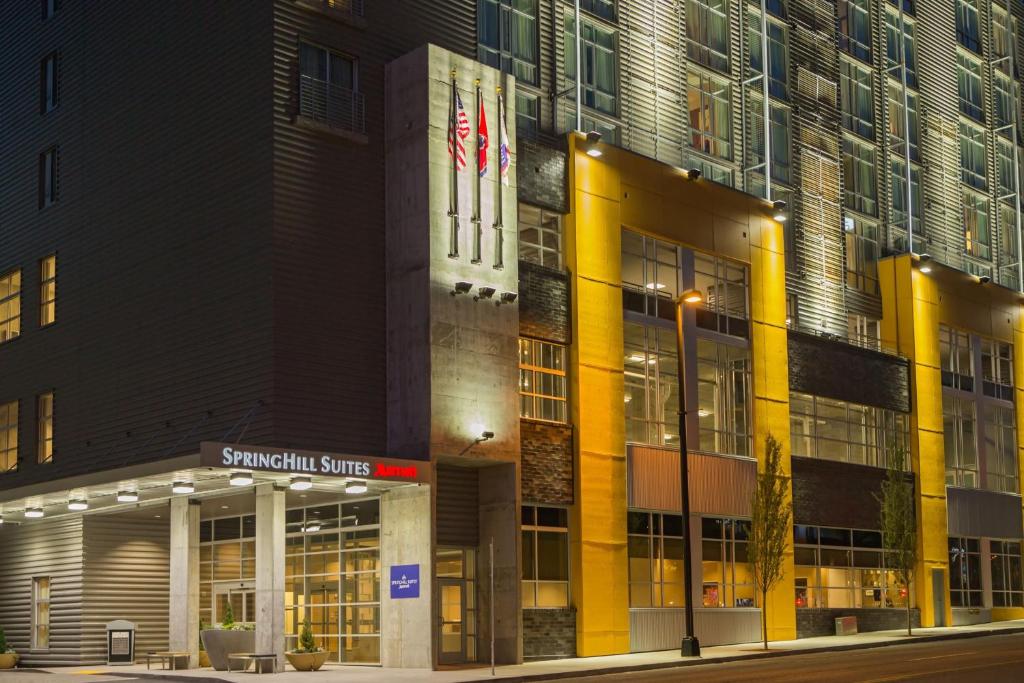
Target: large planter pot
x: 219, y: 644
x: 306, y: 661
x: 8, y: 660
x: 204, y: 659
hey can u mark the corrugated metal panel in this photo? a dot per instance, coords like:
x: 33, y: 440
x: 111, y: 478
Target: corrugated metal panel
x: 983, y: 513
x: 659, y: 629
x: 126, y: 576
x: 719, y: 485
x: 457, y: 510
x: 52, y: 548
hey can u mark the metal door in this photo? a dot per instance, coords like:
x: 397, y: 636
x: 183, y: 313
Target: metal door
x: 938, y: 596
x: 451, y: 621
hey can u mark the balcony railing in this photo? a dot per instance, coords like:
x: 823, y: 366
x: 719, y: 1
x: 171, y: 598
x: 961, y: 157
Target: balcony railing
x: 334, y: 105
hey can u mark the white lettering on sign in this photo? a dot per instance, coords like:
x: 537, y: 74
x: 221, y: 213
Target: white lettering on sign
x: 293, y: 462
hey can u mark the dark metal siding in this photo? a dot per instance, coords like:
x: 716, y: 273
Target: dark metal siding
x: 829, y: 493
x: 457, y: 515
x: 983, y: 513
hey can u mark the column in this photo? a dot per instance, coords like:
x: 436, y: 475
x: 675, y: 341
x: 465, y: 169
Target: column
x: 183, y: 613
x: 270, y: 571
x: 499, y: 520
x: 406, y: 624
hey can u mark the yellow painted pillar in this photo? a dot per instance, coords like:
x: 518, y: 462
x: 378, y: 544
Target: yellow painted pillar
x: 770, y: 369
x: 910, y: 303
x: 1007, y: 613
x: 598, y: 530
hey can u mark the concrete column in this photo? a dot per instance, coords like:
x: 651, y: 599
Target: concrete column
x: 986, y: 573
x: 184, y: 594
x: 407, y: 624
x: 499, y: 520
x: 270, y: 571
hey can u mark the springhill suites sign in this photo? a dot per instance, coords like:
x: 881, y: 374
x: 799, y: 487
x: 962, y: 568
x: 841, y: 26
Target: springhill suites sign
x: 286, y: 461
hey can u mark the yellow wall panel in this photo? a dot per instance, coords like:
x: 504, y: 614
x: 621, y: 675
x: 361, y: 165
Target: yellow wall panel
x: 597, y: 238
x: 641, y: 209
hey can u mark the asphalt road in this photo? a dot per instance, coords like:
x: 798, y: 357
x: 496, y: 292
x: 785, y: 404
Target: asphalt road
x: 991, y: 659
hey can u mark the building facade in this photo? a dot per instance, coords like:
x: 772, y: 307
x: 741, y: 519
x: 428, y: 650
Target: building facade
x: 269, y: 340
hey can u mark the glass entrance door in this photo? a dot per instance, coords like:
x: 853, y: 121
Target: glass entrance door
x: 240, y: 595
x: 452, y: 611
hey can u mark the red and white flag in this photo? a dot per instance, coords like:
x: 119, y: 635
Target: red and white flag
x: 458, y: 131
x: 483, y: 140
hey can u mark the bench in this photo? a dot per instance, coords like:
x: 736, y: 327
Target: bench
x: 260, y: 660
x: 166, y: 657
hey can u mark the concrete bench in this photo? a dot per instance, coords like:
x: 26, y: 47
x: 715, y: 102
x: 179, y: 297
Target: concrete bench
x: 261, y: 661
x: 165, y: 657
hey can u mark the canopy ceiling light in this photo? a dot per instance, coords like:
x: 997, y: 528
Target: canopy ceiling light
x: 33, y: 513
x: 183, y: 487
x: 127, y: 496
x: 926, y: 265
x: 593, y: 137
x: 355, y: 487
x: 300, y: 483
x: 78, y: 504
x: 240, y: 478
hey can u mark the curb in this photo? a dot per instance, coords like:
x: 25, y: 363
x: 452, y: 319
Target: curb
x: 913, y: 640
x: 165, y: 677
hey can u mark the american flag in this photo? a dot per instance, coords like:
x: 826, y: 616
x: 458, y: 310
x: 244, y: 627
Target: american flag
x: 458, y: 131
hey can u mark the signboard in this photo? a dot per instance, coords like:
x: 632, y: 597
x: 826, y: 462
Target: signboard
x: 287, y: 461
x: 405, y: 581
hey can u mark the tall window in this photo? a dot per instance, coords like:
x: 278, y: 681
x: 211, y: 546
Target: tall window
x: 601, y: 8
x: 47, y: 290
x: 710, y: 111
x: 707, y: 33
x: 44, y: 419
x: 854, y: 25
x: 527, y: 115
x: 956, y: 358
x: 1000, y: 433
x: 897, y: 121
x: 724, y: 286
x: 965, y: 572
x: 972, y: 156
x: 48, y: 178
x: 1004, y: 31
x: 861, y: 254
x: 1005, y: 167
x: 997, y: 369
x: 507, y: 31
x: 864, y: 330
x: 652, y: 387
x: 723, y: 397
x: 780, y: 141
x: 836, y: 430
x: 227, y: 552
x: 778, y: 60
x: 50, y: 8
x: 977, y: 232
x: 968, y: 25
x: 10, y: 305
x: 727, y: 579
x: 969, y: 89
x: 892, y: 47
x: 542, y: 380
x: 959, y: 428
x: 540, y: 236
x: 843, y: 568
x: 41, y: 613
x: 598, y: 52
x: 8, y: 436
x: 1004, y: 92
x: 856, y: 99
x: 1007, y: 579
x: 545, y: 556
x: 898, y: 189
x: 655, y: 549
x: 859, y: 180
x: 328, y: 88
x: 48, y: 80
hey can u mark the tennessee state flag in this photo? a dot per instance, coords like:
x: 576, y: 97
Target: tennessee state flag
x: 483, y: 140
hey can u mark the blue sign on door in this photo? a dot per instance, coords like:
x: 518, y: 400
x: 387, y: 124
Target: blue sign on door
x: 405, y: 581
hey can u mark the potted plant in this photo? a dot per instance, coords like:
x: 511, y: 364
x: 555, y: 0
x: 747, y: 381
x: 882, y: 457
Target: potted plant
x: 204, y: 659
x: 227, y: 638
x: 307, y: 656
x: 8, y: 657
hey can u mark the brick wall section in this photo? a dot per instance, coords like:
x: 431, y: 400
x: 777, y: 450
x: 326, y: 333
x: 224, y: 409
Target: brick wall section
x: 541, y: 173
x: 829, y: 493
x: 546, y: 462
x: 543, y: 303
x: 549, y: 633
x: 822, y: 622
x: 848, y: 373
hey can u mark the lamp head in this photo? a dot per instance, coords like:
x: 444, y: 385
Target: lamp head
x: 691, y: 296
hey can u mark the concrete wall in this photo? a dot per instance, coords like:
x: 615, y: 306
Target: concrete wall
x: 407, y: 625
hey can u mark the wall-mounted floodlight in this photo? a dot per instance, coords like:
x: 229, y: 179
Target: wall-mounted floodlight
x: 486, y: 435
x: 593, y: 137
x: 33, y: 513
x: 127, y: 496
x: 779, y: 210
x: 484, y: 293
x: 926, y: 264
x: 78, y: 504
x: 462, y: 288
x: 984, y: 279
x: 507, y: 298
x: 693, y: 173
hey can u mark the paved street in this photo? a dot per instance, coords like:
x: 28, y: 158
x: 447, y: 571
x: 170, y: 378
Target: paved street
x: 990, y: 659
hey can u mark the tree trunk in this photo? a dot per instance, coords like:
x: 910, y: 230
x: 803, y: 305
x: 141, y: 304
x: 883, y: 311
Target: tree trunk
x: 908, y: 610
x: 764, y: 617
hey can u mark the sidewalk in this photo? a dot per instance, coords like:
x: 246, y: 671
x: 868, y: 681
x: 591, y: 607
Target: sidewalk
x: 533, y: 671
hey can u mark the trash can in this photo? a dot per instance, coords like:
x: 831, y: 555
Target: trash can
x: 120, y: 642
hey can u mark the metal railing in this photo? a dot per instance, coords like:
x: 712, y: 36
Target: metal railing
x: 334, y: 105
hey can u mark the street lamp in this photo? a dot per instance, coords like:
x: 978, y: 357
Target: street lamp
x: 690, y: 646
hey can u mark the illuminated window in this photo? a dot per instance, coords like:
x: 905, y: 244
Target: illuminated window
x: 862, y: 253
x: 655, y: 551
x: 960, y: 429
x: 41, y: 613
x: 846, y: 432
x: 10, y: 305
x: 1000, y: 446
x: 45, y: 430
x: 545, y: 533
x: 540, y: 236
x: 727, y: 578
x: 843, y: 568
x: 8, y: 436
x: 897, y: 121
x: 857, y: 98
x: 860, y: 182
x: 864, y: 331
x: 542, y: 381
x: 969, y: 89
x: 710, y: 107
x: 977, y: 232
x: 707, y: 33
x: 972, y: 156
x: 723, y: 397
x: 507, y: 34
x: 47, y: 290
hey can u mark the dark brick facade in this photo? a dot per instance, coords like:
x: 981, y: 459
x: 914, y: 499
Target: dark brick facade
x: 829, y: 493
x: 848, y: 373
x: 541, y: 173
x: 822, y: 621
x: 543, y: 303
x: 549, y: 633
x: 546, y: 462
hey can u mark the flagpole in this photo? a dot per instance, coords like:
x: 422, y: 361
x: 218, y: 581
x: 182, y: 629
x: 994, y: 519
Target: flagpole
x: 499, y: 261
x: 476, y: 209
x: 453, y: 206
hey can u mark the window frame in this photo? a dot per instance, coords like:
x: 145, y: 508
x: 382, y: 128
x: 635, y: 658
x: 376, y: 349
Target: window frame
x: 652, y: 531
x: 968, y: 25
x: 48, y: 290
x: 594, y: 97
x: 704, y: 111
x: 729, y: 543
x: 9, y: 411
x: 41, y: 644
x: 857, y: 22
x: 699, y: 32
x: 857, y: 98
x: 530, y: 533
x: 10, y: 300
x: 48, y: 177
x: 970, y: 86
x: 507, y: 61
x: 44, y: 427
x: 536, y: 348
x: 814, y: 436
x: 530, y: 250
x: 49, y: 82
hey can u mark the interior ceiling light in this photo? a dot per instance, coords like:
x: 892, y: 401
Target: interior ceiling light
x: 78, y: 504
x: 183, y: 487
x: 312, y: 527
x: 301, y: 483
x: 127, y: 496
x: 240, y: 478
x: 33, y: 513
x: 355, y: 487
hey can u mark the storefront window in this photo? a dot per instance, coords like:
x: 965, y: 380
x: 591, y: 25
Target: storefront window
x: 727, y: 576
x: 843, y: 568
x: 965, y: 572
x: 1007, y: 581
x: 655, y: 559
x: 847, y: 432
x: 227, y: 569
x: 545, y: 556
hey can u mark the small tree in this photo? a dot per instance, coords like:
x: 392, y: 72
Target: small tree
x: 769, y: 526
x: 898, y: 522
x: 229, y: 617
x: 3, y: 642
x: 306, y: 642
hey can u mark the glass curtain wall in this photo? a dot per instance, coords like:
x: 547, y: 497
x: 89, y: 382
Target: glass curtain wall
x: 843, y: 568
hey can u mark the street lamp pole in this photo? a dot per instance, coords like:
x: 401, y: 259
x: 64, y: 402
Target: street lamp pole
x: 690, y: 645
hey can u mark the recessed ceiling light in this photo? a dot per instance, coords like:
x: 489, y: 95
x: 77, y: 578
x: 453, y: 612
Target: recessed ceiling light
x: 157, y: 516
x: 78, y: 504
x: 127, y: 496
x: 355, y: 487
x: 300, y: 483
x: 224, y: 507
x: 183, y: 487
x: 34, y: 513
x: 655, y: 285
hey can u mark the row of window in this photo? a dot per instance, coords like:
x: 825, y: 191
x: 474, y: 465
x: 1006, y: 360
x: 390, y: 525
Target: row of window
x: 11, y: 293
x: 836, y: 430
x: 965, y: 572
x: 9, y: 419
